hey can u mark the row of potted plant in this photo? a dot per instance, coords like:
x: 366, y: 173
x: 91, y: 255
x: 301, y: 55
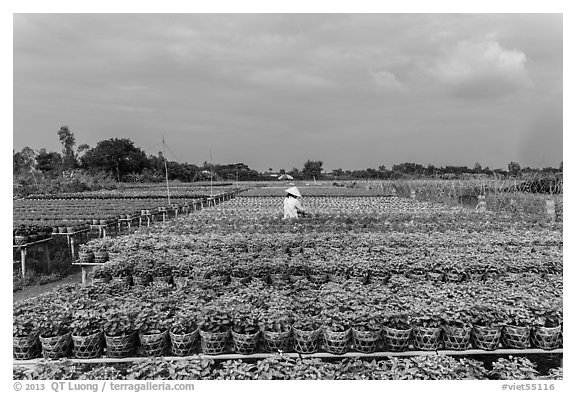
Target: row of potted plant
x: 344, y: 318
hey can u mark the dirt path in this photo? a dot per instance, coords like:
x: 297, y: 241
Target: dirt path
x: 33, y: 291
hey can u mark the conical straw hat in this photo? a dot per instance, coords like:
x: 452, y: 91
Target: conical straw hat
x: 294, y: 191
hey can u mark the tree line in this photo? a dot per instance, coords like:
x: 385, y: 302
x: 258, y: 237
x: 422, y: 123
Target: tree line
x: 120, y: 160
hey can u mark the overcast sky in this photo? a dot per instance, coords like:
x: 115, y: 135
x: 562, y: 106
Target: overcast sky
x: 353, y: 90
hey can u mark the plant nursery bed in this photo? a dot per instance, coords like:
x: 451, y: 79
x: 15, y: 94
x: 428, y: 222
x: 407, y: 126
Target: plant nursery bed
x: 322, y: 355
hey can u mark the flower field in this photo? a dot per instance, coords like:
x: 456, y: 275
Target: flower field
x: 360, y: 274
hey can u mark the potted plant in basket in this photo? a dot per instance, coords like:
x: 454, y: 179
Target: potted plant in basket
x: 487, y: 323
x: 276, y: 327
x: 184, y: 332
x: 85, y: 254
x: 245, y: 329
x: 161, y: 272
x: 337, y: 330
x: 547, y: 330
x: 306, y: 330
x: 396, y: 331
x: 366, y: 329
x: 182, y: 272
x: 25, y: 331
x: 516, y: 330
x: 120, y: 331
x: 121, y: 272
x: 101, y: 275
x: 426, y: 329
x: 55, y: 336
x: 152, y: 326
x: 457, y: 327
x: 142, y: 272
x: 214, y: 324
x: 86, y: 330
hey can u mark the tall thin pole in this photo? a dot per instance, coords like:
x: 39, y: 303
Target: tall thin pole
x: 166, y: 169
x: 211, y: 170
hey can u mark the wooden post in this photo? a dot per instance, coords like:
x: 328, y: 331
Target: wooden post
x: 23, y: 262
x: 84, y: 274
x: 72, y: 248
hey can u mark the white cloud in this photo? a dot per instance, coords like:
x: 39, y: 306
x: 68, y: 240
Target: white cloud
x: 482, y: 69
x: 386, y: 80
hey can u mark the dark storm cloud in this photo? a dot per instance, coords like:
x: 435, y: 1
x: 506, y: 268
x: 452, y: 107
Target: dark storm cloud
x: 355, y: 90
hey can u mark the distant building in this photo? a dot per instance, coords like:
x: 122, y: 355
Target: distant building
x: 285, y: 177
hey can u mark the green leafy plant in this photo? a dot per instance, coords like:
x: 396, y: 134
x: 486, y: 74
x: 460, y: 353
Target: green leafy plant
x: 25, y: 325
x: 86, y: 322
x: 214, y: 319
x: 119, y: 321
x: 184, y: 322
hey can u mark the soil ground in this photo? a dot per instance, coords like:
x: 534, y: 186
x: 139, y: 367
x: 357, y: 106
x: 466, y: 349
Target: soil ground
x: 35, y: 290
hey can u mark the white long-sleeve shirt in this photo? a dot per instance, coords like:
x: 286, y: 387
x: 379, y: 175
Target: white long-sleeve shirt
x: 291, y: 207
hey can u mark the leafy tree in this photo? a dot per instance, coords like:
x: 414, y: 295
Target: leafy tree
x: 68, y: 142
x: 312, y: 169
x: 514, y: 168
x: 117, y: 156
x: 48, y: 162
x: 23, y: 161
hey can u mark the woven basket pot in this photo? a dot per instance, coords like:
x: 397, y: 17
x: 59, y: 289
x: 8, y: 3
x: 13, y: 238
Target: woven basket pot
x: 306, y: 341
x: 141, y: 280
x: 365, y: 341
x: 239, y: 280
x: 25, y: 348
x: 475, y: 276
x: 100, y: 280
x: 214, y: 343
x: 124, y: 281
x: 415, y: 275
x: 154, y: 344
x: 181, y: 282
x: 337, y: 278
x: 295, y: 278
x: 454, y: 277
x: 486, y: 337
x: 359, y: 279
x: 426, y: 338
x: 259, y: 281
x: 245, y: 344
x: 379, y: 279
x: 318, y: 278
x: 56, y: 347
x: 276, y: 341
x: 456, y: 338
x: 278, y: 279
x: 396, y: 340
x: 516, y: 337
x: 101, y: 256
x: 163, y: 279
x: 120, y: 346
x: 20, y: 240
x: 87, y: 347
x: 435, y: 276
x: 184, y: 344
x: 86, y: 256
x: 547, y: 338
x: 336, y: 342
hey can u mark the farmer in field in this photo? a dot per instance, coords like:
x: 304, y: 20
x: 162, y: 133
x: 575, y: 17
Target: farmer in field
x: 292, y: 205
